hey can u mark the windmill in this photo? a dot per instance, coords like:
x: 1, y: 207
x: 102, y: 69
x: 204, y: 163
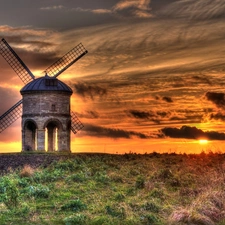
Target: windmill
x: 45, y: 104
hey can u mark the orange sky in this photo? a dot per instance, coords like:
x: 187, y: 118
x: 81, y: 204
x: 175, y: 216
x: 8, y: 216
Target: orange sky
x: 153, y: 78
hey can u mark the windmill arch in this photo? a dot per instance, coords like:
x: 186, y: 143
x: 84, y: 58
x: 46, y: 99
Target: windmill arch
x: 53, y: 132
x: 29, y: 133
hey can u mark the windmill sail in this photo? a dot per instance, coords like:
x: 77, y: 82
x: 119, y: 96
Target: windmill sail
x: 76, y: 125
x: 15, y: 62
x: 66, y: 61
x: 10, y: 116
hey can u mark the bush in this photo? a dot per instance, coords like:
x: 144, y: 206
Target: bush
x: 151, y: 219
x: 140, y: 182
x: 100, y: 220
x: 9, y: 193
x: 118, y: 212
x: 78, y: 219
x: 152, y: 207
x: 46, y: 176
x: 119, y: 197
x: 102, y: 178
x: 39, y: 191
x: 27, y: 171
x: 157, y: 193
x: 79, y: 177
x: 74, y: 205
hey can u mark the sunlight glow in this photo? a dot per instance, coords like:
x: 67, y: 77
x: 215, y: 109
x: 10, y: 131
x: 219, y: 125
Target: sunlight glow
x: 203, y: 141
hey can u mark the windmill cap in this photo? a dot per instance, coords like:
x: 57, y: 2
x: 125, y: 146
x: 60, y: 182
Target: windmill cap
x: 46, y: 83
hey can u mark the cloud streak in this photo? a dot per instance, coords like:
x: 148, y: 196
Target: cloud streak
x: 99, y: 131
x: 187, y: 132
x: 196, y: 9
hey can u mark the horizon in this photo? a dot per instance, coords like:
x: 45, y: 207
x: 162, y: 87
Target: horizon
x: 152, y: 81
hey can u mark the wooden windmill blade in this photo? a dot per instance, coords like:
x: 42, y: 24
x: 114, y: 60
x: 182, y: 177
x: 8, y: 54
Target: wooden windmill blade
x: 76, y: 124
x: 15, y: 62
x: 10, y: 116
x: 66, y: 61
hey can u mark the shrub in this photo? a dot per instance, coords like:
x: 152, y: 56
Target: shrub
x: 151, y: 206
x: 207, y: 209
x: 27, y: 171
x: 74, y: 205
x: 78, y: 219
x: 100, y: 220
x: 39, y: 191
x: 119, y: 197
x: 9, y: 193
x: 156, y: 193
x: 118, y: 212
x: 102, y: 178
x: 47, y: 176
x: 79, y: 177
x: 150, y: 219
x: 116, y: 178
x: 140, y: 182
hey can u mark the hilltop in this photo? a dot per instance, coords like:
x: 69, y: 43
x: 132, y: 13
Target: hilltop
x: 104, y: 189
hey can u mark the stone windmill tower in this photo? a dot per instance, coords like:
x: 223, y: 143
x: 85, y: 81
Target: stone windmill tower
x: 45, y: 105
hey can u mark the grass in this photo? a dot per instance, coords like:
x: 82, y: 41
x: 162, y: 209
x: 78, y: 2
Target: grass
x: 130, y: 189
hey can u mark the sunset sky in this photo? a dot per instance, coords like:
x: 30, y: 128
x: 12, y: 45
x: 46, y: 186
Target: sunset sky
x: 153, y: 78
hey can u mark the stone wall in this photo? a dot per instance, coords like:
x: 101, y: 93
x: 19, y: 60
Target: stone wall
x: 41, y: 109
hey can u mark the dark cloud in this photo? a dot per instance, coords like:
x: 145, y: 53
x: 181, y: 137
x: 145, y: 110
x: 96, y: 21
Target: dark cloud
x: 217, y: 116
x: 141, y: 114
x: 90, y: 91
x: 217, y: 98
x: 202, y: 79
x: 167, y: 99
x: 88, y: 114
x: 34, y: 53
x: 154, y: 116
x: 99, y: 131
x: 187, y: 132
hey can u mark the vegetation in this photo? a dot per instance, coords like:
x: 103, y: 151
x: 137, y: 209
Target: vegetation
x: 130, y: 189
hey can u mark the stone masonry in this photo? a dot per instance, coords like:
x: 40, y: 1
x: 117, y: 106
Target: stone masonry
x: 46, y: 118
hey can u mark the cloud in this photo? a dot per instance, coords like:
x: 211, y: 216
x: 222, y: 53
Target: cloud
x: 99, y: 131
x: 217, y: 116
x: 196, y: 9
x: 89, y: 114
x: 167, y: 99
x: 217, y: 98
x: 90, y: 91
x: 192, y: 133
x: 124, y: 8
x: 146, y: 115
x: 101, y: 11
x: 136, y: 8
x: 54, y: 7
x: 95, y: 11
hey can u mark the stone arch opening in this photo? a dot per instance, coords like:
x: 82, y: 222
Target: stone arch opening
x: 30, y: 133
x: 52, y: 131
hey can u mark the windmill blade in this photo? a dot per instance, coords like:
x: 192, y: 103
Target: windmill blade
x: 10, y: 116
x: 76, y: 125
x: 15, y: 62
x: 66, y: 61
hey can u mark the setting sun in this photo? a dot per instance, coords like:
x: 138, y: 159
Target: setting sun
x: 203, y: 141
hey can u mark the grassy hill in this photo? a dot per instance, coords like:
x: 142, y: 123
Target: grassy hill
x: 102, y: 189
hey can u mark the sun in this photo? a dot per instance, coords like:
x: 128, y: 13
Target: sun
x: 203, y: 141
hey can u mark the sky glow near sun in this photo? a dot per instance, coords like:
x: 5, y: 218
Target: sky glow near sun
x: 153, y: 78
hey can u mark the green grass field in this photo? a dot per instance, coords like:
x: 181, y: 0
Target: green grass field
x: 130, y: 189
